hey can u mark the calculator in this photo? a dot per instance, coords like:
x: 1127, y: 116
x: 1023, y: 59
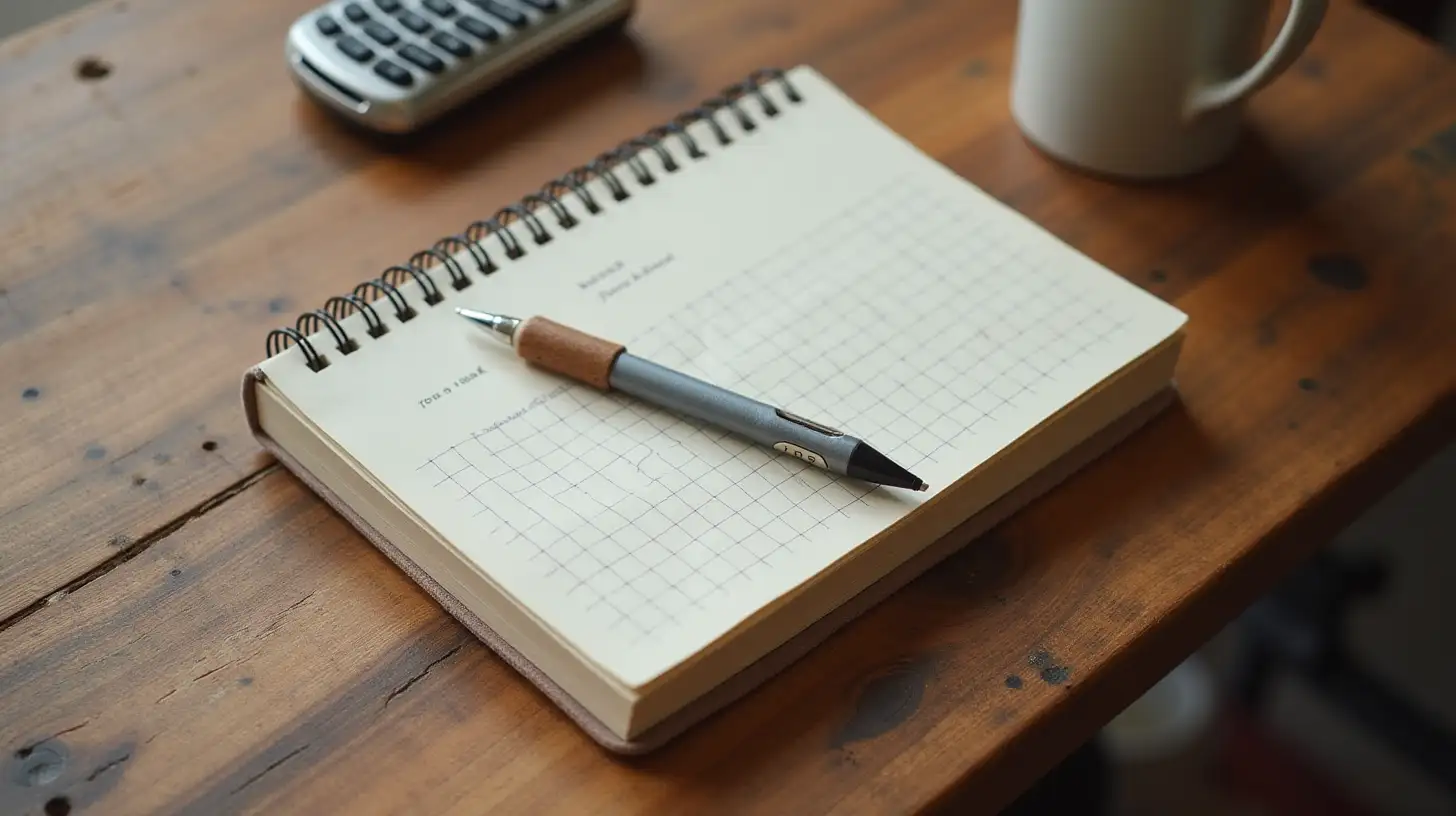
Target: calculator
x: 396, y: 65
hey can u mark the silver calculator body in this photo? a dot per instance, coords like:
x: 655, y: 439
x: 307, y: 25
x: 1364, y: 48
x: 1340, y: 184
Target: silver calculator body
x: 395, y: 65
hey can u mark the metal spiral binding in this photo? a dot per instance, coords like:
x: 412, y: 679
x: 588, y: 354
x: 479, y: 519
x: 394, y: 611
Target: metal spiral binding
x: 384, y: 291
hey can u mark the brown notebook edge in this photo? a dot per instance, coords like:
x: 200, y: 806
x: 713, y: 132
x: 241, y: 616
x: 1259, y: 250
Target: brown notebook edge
x: 774, y: 662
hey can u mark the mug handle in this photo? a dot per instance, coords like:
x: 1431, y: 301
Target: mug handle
x: 1305, y: 17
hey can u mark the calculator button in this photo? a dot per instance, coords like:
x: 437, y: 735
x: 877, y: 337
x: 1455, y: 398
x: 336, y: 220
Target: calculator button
x: 413, y: 22
x: 354, y: 49
x: 440, y: 7
x: 422, y: 58
x: 381, y: 33
x: 388, y: 6
x: 503, y: 12
x: 542, y: 5
x: 452, y: 44
x: 355, y: 13
x: 479, y: 29
x: 394, y: 73
x: 328, y: 26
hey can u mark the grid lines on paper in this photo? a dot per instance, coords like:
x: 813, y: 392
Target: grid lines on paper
x: 897, y: 320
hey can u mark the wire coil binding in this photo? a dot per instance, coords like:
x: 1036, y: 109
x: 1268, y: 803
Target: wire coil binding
x: 371, y: 296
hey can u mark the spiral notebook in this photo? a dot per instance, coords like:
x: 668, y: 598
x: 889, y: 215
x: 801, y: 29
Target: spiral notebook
x: 644, y: 569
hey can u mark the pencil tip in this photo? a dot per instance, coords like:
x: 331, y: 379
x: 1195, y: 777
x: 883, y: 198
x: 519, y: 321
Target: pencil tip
x: 923, y: 487
x: 872, y: 466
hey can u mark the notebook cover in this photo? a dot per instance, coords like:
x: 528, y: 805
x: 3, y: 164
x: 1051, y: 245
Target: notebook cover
x: 774, y: 662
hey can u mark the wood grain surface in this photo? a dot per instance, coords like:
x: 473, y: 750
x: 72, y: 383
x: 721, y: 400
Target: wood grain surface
x: 184, y: 628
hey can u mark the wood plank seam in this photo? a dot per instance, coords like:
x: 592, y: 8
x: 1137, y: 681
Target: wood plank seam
x: 140, y: 545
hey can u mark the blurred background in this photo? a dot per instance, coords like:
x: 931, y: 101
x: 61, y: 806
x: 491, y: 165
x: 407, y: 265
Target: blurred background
x: 1334, y: 695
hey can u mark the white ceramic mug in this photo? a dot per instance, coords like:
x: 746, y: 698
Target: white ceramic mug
x: 1146, y: 88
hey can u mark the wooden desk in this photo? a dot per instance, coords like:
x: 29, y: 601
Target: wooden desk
x: 186, y: 627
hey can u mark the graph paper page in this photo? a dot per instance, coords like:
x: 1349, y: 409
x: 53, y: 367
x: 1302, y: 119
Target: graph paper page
x: 819, y: 263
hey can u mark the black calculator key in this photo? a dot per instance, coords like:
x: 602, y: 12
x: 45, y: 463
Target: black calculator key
x: 451, y: 44
x: 355, y: 13
x: 504, y: 12
x: 413, y: 22
x: 388, y: 6
x: 328, y: 26
x: 440, y: 7
x: 422, y: 58
x: 354, y: 49
x: 479, y: 29
x: 542, y: 5
x: 381, y: 33
x: 394, y: 73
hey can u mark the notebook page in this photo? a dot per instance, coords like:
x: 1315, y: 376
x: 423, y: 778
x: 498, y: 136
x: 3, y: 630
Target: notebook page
x: 820, y: 263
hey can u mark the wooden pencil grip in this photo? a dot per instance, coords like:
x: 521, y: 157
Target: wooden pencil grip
x: 567, y: 351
